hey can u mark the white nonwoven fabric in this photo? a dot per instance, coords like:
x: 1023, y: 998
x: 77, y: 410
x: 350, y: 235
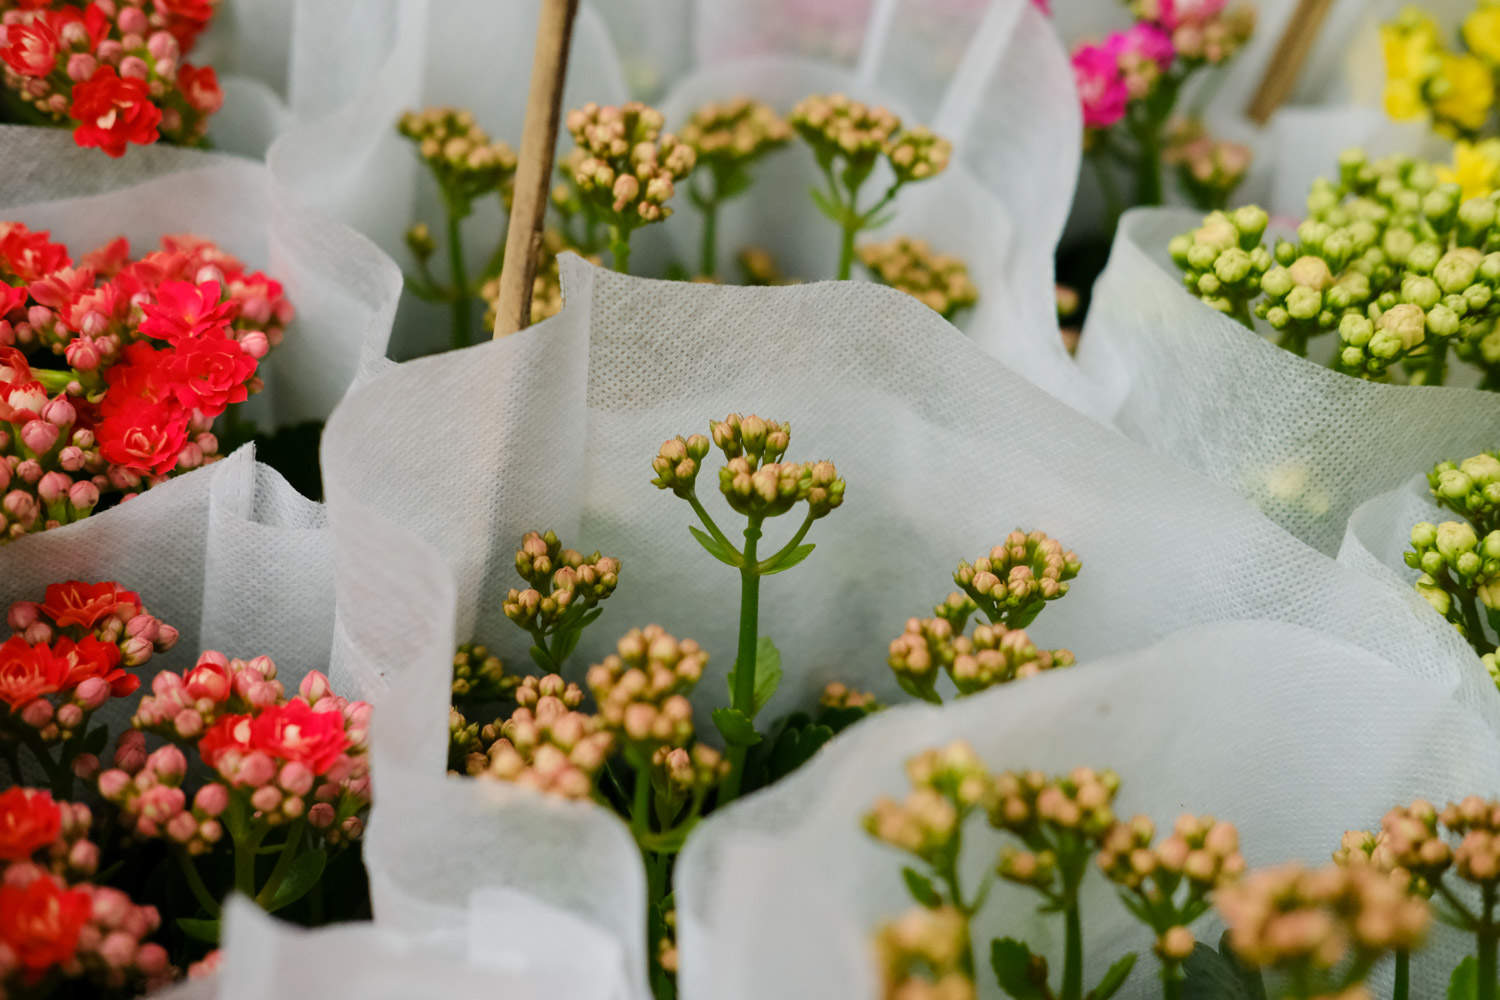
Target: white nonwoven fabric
x: 515, y: 948
x: 435, y: 469
x: 1301, y: 441
x: 1292, y: 735
x: 344, y: 290
x: 989, y: 75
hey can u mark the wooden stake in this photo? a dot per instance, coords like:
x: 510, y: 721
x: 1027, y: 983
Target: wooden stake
x: 523, y: 239
x: 1292, y: 50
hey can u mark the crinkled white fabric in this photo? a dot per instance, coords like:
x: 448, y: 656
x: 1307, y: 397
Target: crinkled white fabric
x: 435, y: 469
x: 1304, y: 443
x: 513, y: 947
x: 1289, y: 733
x: 343, y: 288
x: 989, y: 74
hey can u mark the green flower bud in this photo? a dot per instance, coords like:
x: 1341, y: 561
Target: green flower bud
x: 1424, y: 257
x: 1442, y: 321
x: 1457, y: 269
x: 1233, y: 266
x: 1355, y: 330
x: 1251, y: 221
x: 1477, y: 214
x: 1277, y: 282
x: 1303, y: 303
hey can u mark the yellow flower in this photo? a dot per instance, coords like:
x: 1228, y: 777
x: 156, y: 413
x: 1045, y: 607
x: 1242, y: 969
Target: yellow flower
x: 1403, y: 100
x: 1482, y: 33
x: 1463, y: 91
x: 1412, y: 55
x: 1476, y: 168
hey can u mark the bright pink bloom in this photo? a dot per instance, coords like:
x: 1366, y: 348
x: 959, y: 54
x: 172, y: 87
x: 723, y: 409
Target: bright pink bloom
x: 1143, y: 41
x: 143, y: 436
x: 1101, y: 87
x: 184, y: 311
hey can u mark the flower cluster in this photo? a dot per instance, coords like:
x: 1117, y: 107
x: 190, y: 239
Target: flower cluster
x: 460, y: 155
x: 55, y: 925
x: 563, y: 590
x: 993, y: 655
x: 271, y: 760
x: 114, y: 69
x: 546, y: 286
x: 1475, y: 168
x: 1322, y: 928
x: 948, y: 784
x: 1397, y: 263
x: 1424, y: 79
x: 1013, y: 583
x: 151, y: 351
x: 546, y: 743
x: 1460, y: 560
x: 727, y: 136
x: 478, y: 675
x: 941, y: 281
x: 67, y: 656
x: 924, y: 955
x: 1208, y: 169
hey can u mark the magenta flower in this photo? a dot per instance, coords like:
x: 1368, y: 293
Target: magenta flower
x: 1101, y: 87
x: 1141, y: 43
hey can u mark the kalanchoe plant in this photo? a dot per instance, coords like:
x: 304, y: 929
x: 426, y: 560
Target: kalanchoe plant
x: 1130, y: 83
x: 1208, y: 169
x: 59, y: 930
x: 625, y: 169
x: 68, y: 656
x: 849, y: 139
x: 758, y: 485
x: 114, y: 71
x: 1455, y: 91
x: 939, y: 280
x: 466, y: 166
x: 1010, y: 586
x: 729, y: 137
x: 1396, y: 263
x: 562, y: 596
x: 1460, y: 560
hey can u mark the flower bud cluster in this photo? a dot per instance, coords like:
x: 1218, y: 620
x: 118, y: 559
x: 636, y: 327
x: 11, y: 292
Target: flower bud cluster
x: 730, y: 135
x: 1209, y: 169
x: 115, y: 71
x: 627, y: 167
x: 1477, y: 857
x: 284, y: 758
x: 1014, y: 581
x: 563, y: 583
x: 941, y: 281
x: 682, y: 774
x: 546, y: 286
x: 1458, y: 567
x: 641, y: 690
x: 1223, y: 260
x: 461, y: 156
x: 1068, y: 812
x: 993, y: 655
x: 924, y: 955
x: 947, y: 785
x: 1308, y: 922
x: 754, y: 479
x: 1471, y: 489
x: 837, y: 127
x: 546, y: 743
x: 839, y: 696
x: 478, y: 675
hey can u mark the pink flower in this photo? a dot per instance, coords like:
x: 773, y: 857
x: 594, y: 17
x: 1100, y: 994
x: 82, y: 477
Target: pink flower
x: 185, y: 311
x: 1143, y: 41
x: 1101, y: 88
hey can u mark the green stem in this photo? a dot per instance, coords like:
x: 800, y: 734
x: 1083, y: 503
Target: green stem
x: 1436, y: 372
x: 460, y: 273
x: 1072, y: 982
x: 1402, y: 985
x: 195, y: 882
x: 53, y: 380
x: 1243, y: 315
x: 1171, y: 981
x: 1473, y: 623
x: 1148, y: 186
x: 708, y: 522
x: 1489, y: 939
x: 619, y: 248
x: 709, y: 254
x: 640, y: 809
x: 59, y: 776
x: 267, y: 893
x: 786, y: 549
x: 743, y: 695
x: 245, y: 847
x: 846, y: 250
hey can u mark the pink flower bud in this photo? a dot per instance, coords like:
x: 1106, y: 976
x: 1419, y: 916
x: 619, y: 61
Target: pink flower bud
x: 69, y: 716
x: 38, y: 632
x: 166, y: 636
x: 74, y: 34
x: 60, y: 412
x: 209, y: 681
x: 168, y: 764
x: 113, y: 783
x: 162, y: 45
x: 182, y: 827
x: 212, y: 799
x: 189, y: 723
x: 314, y: 687
x: 84, y: 856
x: 91, y: 693
x: 22, y: 614
x: 262, y: 694
x: 256, y: 309
x: 30, y: 470
x: 85, y: 766
x: 40, y: 317
x: 256, y: 769
x: 352, y: 827
x: 266, y: 798
x: 210, y: 272
x: 132, y: 21
x: 130, y: 754
x: 110, y: 51
x: 53, y: 486
x: 321, y: 816
x: 82, y: 353
x: 81, y: 66
x: 255, y: 343
x: 83, y: 496
x: 296, y: 778
x: 165, y: 683
x: 39, y: 435
x: 262, y: 665
x: 37, y: 713
x: 134, y: 652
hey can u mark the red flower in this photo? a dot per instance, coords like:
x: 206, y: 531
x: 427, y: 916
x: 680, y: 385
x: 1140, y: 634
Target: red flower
x: 10, y: 298
x: 85, y: 604
x: 231, y: 733
x: 113, y: 111
x: 40, y: 923
x: 184, y: 311
x: 27, y: 672
x: 200, y: 85
x: 61, y: 287
x: 29, y: 255
x: 90, y: 657
x: 294, y: 732
x: 109, y: 259
x: 210, y: 374
x: 141, y: 373
x: 30, y: 49
x: 143, y: 436
x: 186, y: 18
x: 29, y: 821
x: 21, y: 395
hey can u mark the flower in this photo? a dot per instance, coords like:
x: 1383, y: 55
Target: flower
x: 296, y: 732
x: 29, y: 255
x: 29, y: 821
x: 143, y: 436
x: 1481, y: 31
x: 27, y: 672
x: 39, y: 923
x: 1101, y: 87
x: 209, y: 374
x: 113, y: 111
x: 30, y: 48
x: 84, y: 604
x: 200, y: 86
x: 231, y: 733
x: 184, y: 310
x: 91, y: 658
x: 1466, y: 89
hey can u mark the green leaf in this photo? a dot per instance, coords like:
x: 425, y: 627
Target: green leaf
x: 827, y: 206
x: 565, y: 643
x: 921, y: 888
x: 839, y: 719
x: 1012, y: 962
x: 1218, y: 975
x: 301, y: 876
x: 787, y: 561
x: 879, y: 220
x: 94, y: 742
x: 1464, y: 984
x: 589, y: 618
x: 716, y: 548
x: 1113, y: 979
x: 199, y: 930
x: 767, y: 674
x: 795, y: 745
x: 736, y: 727
x: 541, y: 659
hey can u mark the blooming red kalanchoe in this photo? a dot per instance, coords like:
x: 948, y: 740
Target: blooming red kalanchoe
x: 113, y: 69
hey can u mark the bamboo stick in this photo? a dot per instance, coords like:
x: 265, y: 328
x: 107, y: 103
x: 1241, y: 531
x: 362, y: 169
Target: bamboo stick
x: 1292, y: 50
